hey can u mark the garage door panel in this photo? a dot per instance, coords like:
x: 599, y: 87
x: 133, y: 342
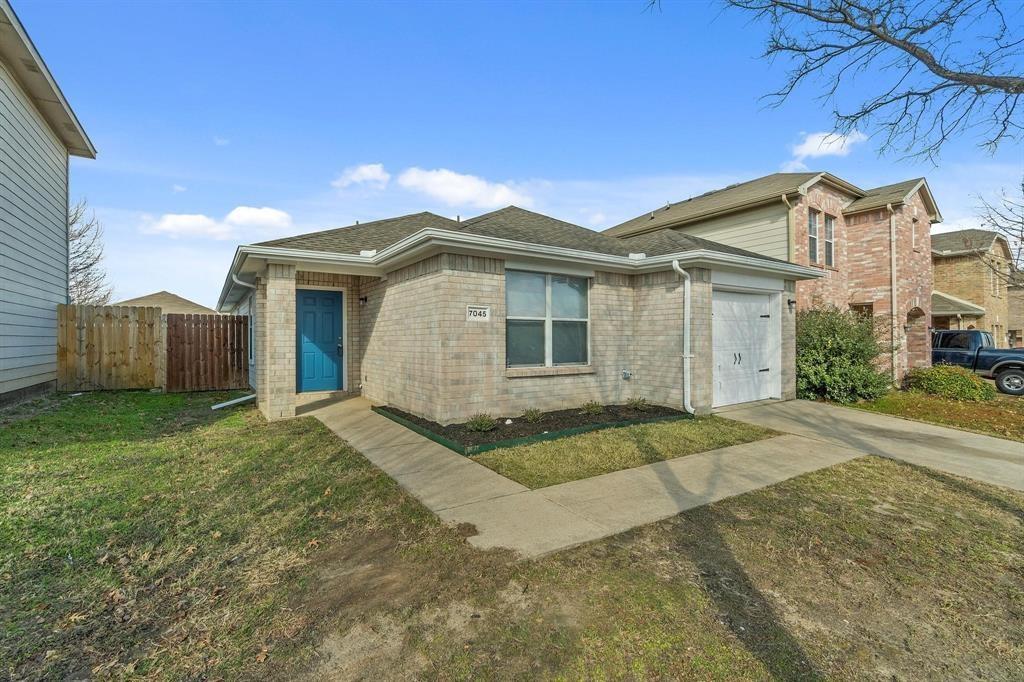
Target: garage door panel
x: 745, y: 342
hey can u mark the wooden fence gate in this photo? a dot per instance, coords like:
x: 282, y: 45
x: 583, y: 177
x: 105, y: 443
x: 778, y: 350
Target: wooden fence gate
x: 207, y: 352
x: 131, y: 347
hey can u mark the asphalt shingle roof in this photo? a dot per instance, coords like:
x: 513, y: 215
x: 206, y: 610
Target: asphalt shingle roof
x: 169, y: 303
x: 374, y: 235
x: 768, y: 187
x: 963, y: 240
x: 512, y: 223
x: 944, y: 304
x: 880, y: 197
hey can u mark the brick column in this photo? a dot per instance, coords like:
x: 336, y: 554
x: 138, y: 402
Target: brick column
x: 788, y: 342
x: 275, y: 390
x: 702, y: 364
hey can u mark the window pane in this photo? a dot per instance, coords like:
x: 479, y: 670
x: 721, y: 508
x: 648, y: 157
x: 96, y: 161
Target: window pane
x: 812, y: 223
x: 829, y: 255
x: 959, y: 341
x: 568, y: 296
x: 812, y: 249
x: 524, y: 342
x: 525, y: 294
x: 830, y: 226
x: 568, y: 343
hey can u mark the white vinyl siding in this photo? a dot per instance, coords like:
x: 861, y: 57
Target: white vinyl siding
x: 33, y: 231
x: 763, y: 230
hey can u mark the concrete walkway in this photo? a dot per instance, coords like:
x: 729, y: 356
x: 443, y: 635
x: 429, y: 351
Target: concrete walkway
x: 984, y: 458
x: 535, y: 522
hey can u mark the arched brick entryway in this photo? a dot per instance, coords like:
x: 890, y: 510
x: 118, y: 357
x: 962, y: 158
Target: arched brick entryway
x: 919, y: 347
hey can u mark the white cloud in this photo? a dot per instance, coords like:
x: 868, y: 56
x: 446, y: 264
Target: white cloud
x: 816, y: 145
x: 263, y: 218
x: 371, y: 174
x: 221, y: 141
x: 241, y: 222
x: 177, y: 189
x: 458, y: 189
x: 177, y: 225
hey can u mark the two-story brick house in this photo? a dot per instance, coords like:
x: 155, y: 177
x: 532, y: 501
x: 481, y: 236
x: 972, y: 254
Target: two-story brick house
x: 872, y: 246
x: 972, y: 267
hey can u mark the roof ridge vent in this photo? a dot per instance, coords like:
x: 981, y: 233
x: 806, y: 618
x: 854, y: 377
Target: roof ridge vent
x: 368, y: 253
x: 637, y: 256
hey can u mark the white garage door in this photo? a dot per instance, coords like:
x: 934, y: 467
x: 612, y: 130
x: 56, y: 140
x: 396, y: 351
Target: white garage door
x: 746, y: 340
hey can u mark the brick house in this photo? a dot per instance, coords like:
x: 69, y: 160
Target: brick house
x: 512, y: 310
x: 1015, y: 298
x: 973, y: 266
x: 871, y: 247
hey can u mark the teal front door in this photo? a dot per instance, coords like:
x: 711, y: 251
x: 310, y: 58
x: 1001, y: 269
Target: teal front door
x: 318, y: 331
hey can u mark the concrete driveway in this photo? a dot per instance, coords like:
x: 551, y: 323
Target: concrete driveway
x: 984, y: 458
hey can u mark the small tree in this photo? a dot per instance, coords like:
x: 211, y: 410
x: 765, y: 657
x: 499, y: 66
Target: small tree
x: 836, y: 356
x: 87, y: 278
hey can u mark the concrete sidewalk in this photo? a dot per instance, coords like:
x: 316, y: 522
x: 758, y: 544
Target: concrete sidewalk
x: 535, y: 522
x: 984, y: 458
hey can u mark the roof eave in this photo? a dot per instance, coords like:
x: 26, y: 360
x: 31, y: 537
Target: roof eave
x: 52, y: 104
x: 416, y: 244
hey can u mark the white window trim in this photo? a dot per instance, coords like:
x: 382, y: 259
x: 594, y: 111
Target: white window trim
x: 812, y: 253
x: 830, y: 244
x: 549, y: 321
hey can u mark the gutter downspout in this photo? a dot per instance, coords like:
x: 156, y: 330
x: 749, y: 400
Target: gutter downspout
x: 687, y: 405
x: 893, y: 333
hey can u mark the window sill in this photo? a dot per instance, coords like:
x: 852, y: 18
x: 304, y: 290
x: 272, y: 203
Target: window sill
x: 568, y: 370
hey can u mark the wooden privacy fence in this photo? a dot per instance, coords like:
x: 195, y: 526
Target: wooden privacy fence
x: 130, y: 347
x: 207, y: 352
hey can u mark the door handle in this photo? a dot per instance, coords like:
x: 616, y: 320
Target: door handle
x: 741, y: 358
x: 764, y: 370
x: 341, y: 349
x: 734, y: 359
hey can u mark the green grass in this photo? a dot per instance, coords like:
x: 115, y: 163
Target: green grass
x: 1002, y: 417
x: 145, y: 536
x: 600, y: 452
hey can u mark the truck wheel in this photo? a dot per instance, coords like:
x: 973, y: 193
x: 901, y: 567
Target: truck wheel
x: 1011, y: 381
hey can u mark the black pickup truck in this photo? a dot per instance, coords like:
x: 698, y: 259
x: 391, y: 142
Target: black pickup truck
x: 974, y: 349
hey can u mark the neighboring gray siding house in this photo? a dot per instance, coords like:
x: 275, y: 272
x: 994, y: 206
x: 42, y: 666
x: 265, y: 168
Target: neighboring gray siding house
x: 38, y: 131
x: 512, y: 310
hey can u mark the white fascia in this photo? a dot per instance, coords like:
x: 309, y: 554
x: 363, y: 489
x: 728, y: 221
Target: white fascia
x: 432, y: 239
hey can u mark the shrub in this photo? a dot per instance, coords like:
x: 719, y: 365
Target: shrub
x: 836, y: 353
x: 638, y: 404
x: 592, y: 408
x: 950, y: 381
x: 481, y: 422
x: 533, y: 415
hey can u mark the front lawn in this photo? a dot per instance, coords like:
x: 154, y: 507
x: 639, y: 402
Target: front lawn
x: 1002, y: 417
x: 568, y: 459
x: 143, y: 535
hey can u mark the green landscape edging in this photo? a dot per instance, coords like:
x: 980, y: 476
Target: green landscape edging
x: 425, y: 432
x: 525, y: 440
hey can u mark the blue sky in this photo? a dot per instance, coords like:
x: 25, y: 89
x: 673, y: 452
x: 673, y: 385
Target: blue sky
x: 227, y: 123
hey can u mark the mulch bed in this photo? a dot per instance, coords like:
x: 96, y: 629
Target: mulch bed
x: 550, y: 422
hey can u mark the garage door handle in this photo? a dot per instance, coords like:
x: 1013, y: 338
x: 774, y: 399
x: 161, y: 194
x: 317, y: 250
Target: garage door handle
x: 741, y: 358
x: 764, y: 370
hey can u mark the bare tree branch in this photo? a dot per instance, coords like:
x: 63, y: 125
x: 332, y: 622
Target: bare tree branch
x: 939, y: 68
x: 87, y: 278
x: 1005, y: 217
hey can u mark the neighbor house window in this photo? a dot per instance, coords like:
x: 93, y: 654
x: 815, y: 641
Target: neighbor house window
x: 812, y: 236
x: 547, y: 319
x: 830, y: 241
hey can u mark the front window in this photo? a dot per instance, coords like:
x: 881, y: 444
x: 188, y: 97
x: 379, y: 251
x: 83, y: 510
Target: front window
x: 547, y: 321
x: 812, y: 236
x: 830, y: 241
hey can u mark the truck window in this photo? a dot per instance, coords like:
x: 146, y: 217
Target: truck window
x: 986, y: 340
x: 956, y: 340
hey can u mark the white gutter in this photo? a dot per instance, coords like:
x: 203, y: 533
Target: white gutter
x: 687, y: 404
x: 234, y: 278
x: 407, y: 248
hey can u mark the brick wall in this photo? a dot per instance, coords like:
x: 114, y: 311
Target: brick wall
x: 834, y: 287
x: 971, y: 278
x: 411, y: 346
x: 1015, y: 319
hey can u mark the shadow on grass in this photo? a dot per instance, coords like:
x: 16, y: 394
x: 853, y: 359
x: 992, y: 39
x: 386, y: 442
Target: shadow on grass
x: 967, y: 488
x: 740, y: 604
